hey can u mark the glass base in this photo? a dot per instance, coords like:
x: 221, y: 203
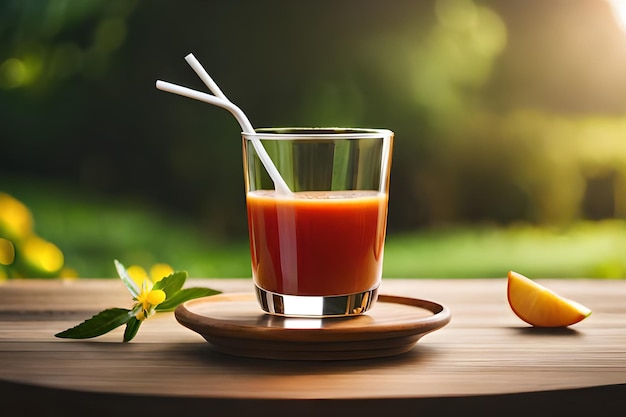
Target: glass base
x: 316, y: 306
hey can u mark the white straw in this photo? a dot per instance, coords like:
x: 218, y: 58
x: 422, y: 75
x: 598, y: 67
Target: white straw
x: 219, y: 99
x: 207, y: 98
x: 204, y: 76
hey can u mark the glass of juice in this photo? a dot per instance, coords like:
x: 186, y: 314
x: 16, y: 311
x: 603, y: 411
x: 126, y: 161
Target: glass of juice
x: 318, y: 251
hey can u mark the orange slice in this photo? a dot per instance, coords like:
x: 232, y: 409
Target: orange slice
x: 541, y: 307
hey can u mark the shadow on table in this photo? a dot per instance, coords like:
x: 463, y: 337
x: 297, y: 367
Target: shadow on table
x: 206, y: 353
x: 548, y: 331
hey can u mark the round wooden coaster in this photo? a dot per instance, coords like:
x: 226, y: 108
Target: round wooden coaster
x: 236, y: 325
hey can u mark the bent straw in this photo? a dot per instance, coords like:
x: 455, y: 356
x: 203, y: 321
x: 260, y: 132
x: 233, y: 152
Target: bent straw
x: 207, y: 98
x: 219, y: 99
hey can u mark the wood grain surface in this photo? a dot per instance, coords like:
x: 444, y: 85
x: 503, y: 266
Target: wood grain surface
x: 485, y: 360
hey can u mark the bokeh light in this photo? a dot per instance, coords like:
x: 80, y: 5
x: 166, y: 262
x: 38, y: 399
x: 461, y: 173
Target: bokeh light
x: 44, y: 257
x: 12, y: 73
x: 160, y: 271
x: 7, y: 252
x: 16, y: 221
x: 507, y: 115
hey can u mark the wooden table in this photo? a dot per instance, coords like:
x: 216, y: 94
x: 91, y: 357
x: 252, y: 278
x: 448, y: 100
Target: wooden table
x: 484, y: 362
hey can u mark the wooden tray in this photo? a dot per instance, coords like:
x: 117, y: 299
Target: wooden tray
x: 236, y: 325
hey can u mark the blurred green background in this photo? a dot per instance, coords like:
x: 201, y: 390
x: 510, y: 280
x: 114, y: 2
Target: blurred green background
x: 510, y: 123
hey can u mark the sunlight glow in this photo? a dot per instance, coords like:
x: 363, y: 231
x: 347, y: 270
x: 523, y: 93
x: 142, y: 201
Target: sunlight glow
x: 618, y: 7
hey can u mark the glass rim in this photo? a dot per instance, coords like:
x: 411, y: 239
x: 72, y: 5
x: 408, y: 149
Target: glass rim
x: 318, y: 133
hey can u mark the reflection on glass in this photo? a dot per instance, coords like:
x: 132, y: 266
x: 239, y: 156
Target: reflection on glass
x: 304, y: 305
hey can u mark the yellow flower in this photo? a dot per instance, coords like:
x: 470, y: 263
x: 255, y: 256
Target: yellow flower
x: 148, y: 299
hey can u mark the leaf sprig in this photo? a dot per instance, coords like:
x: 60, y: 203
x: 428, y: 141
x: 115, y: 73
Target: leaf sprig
x: 164, y: 295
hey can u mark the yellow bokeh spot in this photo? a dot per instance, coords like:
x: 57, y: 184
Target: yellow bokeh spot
x: 43, y: 255
x: 160, y: 271
x: 16, y: 220
x: 456, y: 14
x: 7, y: 252
x: 12, y: 73
x: 68, y: 273
x: 137, y: 274
x: 490, y: 36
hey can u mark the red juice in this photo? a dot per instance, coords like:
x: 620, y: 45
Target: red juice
x: 317, y: 243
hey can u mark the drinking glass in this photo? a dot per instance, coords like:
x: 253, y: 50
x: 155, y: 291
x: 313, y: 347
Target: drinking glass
x: 318, y: 250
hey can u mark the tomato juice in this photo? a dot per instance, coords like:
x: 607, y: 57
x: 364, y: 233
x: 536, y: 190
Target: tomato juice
x: 317, y: 243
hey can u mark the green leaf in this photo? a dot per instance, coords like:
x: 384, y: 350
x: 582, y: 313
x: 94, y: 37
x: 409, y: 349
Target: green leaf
x: 172, y: 283
x: 131, y: 329
x: 101, y: 323
x: 126, y: 279
x: 184, y: 295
